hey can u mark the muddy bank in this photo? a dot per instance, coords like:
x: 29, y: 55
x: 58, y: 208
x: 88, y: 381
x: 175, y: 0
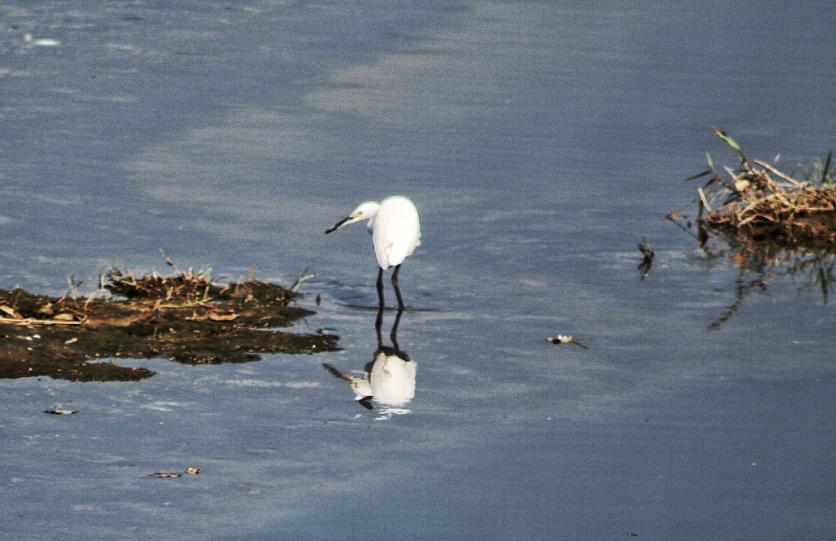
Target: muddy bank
x: 184, y: 318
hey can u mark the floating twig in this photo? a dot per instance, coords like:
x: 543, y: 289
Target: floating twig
x: 567, y: 339
x: 31, y: 321
x: 647, y: 257
x: 304, y: 277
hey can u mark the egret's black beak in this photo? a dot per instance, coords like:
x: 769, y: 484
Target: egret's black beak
x: 337, y: 225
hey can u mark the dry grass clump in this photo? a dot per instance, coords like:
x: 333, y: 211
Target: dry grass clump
x: 759, y: 201
x: 770, y: 225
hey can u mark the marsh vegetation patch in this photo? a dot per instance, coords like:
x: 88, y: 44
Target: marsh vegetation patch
x: 184, y: 317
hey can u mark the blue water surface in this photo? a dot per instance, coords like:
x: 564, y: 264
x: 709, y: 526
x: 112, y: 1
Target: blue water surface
x: 540, y: 141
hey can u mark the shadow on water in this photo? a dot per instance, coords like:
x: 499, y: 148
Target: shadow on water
x: 388, y: 379
x: 369, y: 308
x: 362, y: 298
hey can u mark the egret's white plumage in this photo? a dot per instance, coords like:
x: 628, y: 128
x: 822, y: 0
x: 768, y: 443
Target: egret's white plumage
x: 395, y: 229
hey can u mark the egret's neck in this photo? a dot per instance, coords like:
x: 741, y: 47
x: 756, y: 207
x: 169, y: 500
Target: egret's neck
x: 369, y: 210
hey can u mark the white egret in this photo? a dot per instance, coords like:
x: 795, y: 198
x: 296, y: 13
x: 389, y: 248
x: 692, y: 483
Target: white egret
x: 396, y: 231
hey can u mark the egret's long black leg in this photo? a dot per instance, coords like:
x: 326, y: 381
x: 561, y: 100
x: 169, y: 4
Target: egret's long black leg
x: 397, y: 288
x: 380, y: 287
x: 378, y: 323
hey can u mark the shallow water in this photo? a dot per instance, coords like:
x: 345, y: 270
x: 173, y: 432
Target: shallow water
x: 540, y: 143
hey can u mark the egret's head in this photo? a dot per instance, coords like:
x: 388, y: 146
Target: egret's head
x: 364, y: 211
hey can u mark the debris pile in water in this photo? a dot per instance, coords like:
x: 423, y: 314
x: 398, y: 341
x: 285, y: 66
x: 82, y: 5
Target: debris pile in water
x: 758, y: 201
x: 185, y: 318
x: 768, y: 224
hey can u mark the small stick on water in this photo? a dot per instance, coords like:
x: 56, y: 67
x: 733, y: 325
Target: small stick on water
x: 74, y: 287
x: 304, y: 277
x: 775, y: 171
x: 566, y: 339
x: 703, y: 199
x: 169, y: 261
x: 674, y: 214
x: 31, y: 321
x: 826, y: 169
x: 647, y: 252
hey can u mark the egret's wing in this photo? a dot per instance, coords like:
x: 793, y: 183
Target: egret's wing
x: 396, y: 231
x: 382, y: 246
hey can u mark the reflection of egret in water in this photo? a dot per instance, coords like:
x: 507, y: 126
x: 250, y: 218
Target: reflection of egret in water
x: 388, y: 379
